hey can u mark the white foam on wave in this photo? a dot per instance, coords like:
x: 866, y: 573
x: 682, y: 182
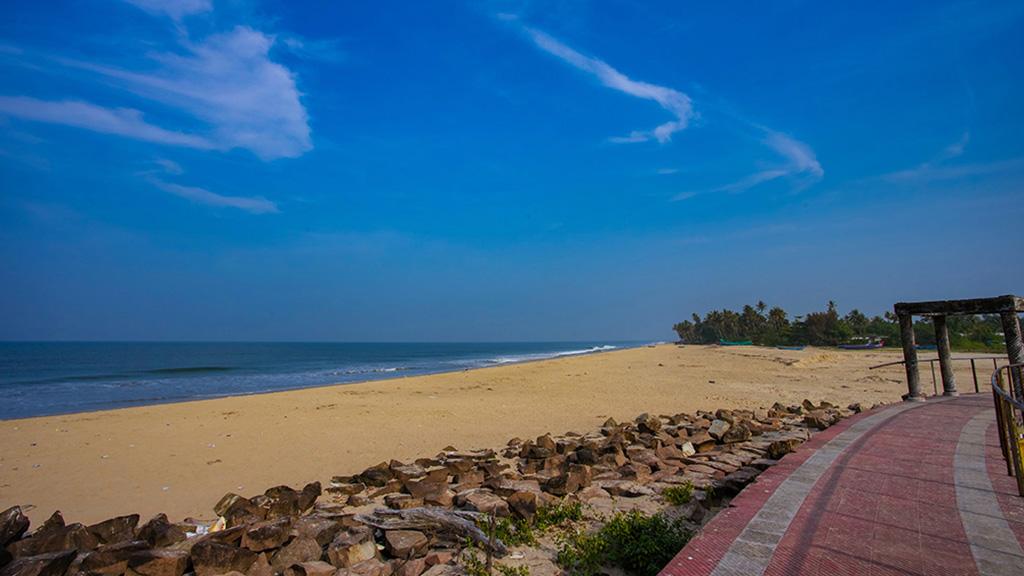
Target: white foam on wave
x: 546, y: 355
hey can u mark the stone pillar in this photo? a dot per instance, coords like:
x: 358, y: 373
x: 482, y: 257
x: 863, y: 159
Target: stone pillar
x: 910, y: 358
x: 945, y: 356
x: 1014, y: 347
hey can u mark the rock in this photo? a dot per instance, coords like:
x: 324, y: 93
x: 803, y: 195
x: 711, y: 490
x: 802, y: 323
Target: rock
x: 54, y: 539
x: 577, y: 476
x: 370, y: 567
x: 648, y: 423
x: 375, y: 475
x: 225, y: 502
x: 738, y: 432
x: 352, y: 547
x: 159, y: 532
x: 282, y: 502
x: 856, y: 408
x: 13, y: 524
x: 780, y: 448
x: 702, y: 441
x: 115, y: 530
x: 308, y: 496
x: 439, y: 557
x: 346, y: 488
x: 301, y: 549
x: 239, y: 511
x: 267, y: 534
x: 485, y: 501
x: 443, y: 570
x: 314, y: 568
x: 54, y: 522
x: 49, y: 564
x: 413, y: 567
x: 210, y: 558
x: 425, y: 487
x: 625, y: 488
x: 807, y: 405
x: 261, y: 567
x: 405, y: 543
x: 111, y: 559
x: 524, y: 504
x: 639, y: 473
x: 718, y: 429
x: 687, y: 449
x: 733, y: 483
x: 323, y: 530
x: 162, y: 562
x: 402, y: 501
x: 818, y: 419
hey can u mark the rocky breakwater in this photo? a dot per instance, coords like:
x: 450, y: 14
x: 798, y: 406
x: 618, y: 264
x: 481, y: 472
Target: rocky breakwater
x: 416, y: 518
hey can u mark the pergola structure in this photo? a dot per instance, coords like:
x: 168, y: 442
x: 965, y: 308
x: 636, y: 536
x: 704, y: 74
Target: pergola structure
x: 1006, y: 306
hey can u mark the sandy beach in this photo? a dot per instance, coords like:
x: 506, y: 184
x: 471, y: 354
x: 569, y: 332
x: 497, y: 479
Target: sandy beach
x: 181, y: 458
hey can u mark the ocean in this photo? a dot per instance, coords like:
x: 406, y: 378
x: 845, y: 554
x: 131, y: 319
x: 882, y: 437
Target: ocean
x: 44, y: 378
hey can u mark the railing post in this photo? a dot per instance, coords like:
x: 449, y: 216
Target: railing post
x: 910, y: 358
x: 974, y: 372
x: 1014, y: 347
x: 945, y: 356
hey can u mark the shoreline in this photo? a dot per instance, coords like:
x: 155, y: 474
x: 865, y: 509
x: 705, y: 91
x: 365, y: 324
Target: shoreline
x: 385, y: 376
x: 179, y: 457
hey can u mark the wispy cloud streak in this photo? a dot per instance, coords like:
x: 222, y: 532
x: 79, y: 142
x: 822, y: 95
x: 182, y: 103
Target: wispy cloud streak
x: 176, y: 9
x: 120, y: 121
x: 254, y: 205
x: 674, y: 101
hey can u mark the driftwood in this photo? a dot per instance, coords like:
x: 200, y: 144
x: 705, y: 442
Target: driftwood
x: 435, y: 520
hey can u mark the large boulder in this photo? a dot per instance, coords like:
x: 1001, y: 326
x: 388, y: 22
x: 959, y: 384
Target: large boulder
x: 157, y: 562
x: 299, y: 550
x: 485, y: 501
x: 738, y: 432
x: 405, y: 544
x: 13, y: 524
x: 267, y: 535
x: 780, y: 448
x: 352, y: 547
x: 375, y: 475
x: 210, y: 558
x: 159, y: 532
x: 321, y: 529
x: 49, y: 564
x: 111, y: 559
x: 115, y: 530
x: 718, y: 429
x: 54, y: 539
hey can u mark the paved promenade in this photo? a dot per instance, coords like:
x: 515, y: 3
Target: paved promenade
x: 914, y: 488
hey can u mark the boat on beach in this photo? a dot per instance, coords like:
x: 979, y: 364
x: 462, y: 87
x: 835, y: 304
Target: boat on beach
x: 723, y: 342
x: 864, y: 346
x: 790, y: 347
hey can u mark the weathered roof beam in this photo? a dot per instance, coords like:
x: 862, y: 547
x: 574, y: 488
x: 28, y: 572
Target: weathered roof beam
x: 996, y: 305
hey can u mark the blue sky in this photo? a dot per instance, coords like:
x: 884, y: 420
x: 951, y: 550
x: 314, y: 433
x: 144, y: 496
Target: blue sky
x: 250, y: 170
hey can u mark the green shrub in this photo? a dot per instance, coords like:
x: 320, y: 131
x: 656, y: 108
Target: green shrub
x: 512, y: 570
x: 581, y: 553
x: 678, y: 494
x: 511, y: 531
x: 633, y: 541
x: 558, y: 514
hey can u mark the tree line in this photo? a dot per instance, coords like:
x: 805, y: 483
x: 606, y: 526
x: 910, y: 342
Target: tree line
x: 773, y: 326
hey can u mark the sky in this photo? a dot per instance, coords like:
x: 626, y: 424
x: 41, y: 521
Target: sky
x: 498, y: 171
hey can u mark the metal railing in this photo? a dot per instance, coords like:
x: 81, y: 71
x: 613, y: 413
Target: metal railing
x: 932, y: 361
x: 1008, y: 395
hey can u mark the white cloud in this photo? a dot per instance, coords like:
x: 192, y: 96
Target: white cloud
x: 169, y: 166
x: 229, y: 82
x: 121, y: 121
x: 176, y: 9
x: 938, y: 167
x: 255, y: 205
x: 675, y: 102
x: 800, y: 162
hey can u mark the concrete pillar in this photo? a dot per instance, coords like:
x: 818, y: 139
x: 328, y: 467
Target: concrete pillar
x: 1014, y: 347
x: 945, y: 356
x: 910, y: 358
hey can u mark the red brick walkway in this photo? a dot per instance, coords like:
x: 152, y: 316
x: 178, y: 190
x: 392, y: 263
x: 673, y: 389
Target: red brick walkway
x: 908, y: 489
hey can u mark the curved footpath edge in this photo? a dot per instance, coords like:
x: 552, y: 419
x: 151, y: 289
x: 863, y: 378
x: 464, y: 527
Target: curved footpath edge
x: 911, y: 488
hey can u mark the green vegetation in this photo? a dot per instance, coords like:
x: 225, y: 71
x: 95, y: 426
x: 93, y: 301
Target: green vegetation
x: 557, y: 515
x: 766, y: 326
x: 679, y: 494
x: 633, y: 541
x: 518, y: 532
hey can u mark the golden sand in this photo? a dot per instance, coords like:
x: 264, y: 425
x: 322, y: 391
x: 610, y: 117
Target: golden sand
x: 181, y: 458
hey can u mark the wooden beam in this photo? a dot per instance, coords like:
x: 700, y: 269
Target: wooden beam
x: 996, y: 305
